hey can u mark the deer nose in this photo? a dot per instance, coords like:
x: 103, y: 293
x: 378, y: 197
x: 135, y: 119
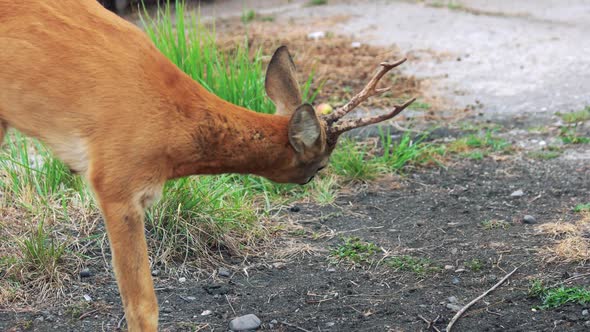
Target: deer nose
x: 309, y: 180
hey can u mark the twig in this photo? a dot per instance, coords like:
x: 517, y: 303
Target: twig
x: 88, y: 313
x: 294, y: 326
x: 120, y: 322
x: 430, y: 323
x: 232, y: 308
x: 462, y: 311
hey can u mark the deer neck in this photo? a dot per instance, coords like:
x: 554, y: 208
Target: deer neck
x: 217, y: 137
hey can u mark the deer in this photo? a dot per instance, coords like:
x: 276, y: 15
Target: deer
x: 99, y: 94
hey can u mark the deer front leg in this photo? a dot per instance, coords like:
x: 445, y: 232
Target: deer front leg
x: 125, y: 227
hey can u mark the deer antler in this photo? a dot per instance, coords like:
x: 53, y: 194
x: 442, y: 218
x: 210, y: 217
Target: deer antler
x: 335, y: 128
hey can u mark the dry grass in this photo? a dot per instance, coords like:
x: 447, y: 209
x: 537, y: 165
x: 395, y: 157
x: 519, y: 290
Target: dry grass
x: 571, y: 244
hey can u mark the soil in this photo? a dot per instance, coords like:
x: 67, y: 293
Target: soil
x: 434, y: 214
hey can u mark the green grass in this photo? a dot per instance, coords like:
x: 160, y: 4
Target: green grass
x: 317, y: 2
x: 575, y: 117
x: 42, y: 255
x: 248, y: 16
x: 544, y: 155
x: 582, y: 207
x: 354, y: 250
x: 569, y: 135
x: 474, y: 265
x: 30, y: 166
x: 558, y: 296
x: 417, y: 265
x: 353, y: 162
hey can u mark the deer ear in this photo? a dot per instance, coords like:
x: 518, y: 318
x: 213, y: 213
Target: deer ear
x: 304, y: 128
x: 281, y: 86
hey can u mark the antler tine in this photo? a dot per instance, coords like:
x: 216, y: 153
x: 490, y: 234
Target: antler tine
x: 368, y: 91
x: 339, y: 128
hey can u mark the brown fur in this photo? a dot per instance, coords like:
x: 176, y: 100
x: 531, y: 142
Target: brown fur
x: 95, y: 89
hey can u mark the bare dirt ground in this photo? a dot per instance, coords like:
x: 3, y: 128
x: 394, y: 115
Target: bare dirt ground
x: 502, y: 54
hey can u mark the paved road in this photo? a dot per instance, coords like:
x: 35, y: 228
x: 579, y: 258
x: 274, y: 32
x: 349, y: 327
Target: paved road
x: 515, y: 56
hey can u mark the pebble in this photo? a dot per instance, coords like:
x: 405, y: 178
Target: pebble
x: 449, y: 267
x: 206, y: 313
x: 454, y: 307
x: 87, y: 298
x: 294, y: 208
x: 155, y: 273
x: 455, y: 281
x: 452, y: 299
x: 330, y: 324
x: 181, y: 279
x: 528, y: 219
x: 245, y: 323
x: 223, y: 272
x: 331, y: 269
x: 85, y: 273
x: 460, y: 270
x: 518, y: 193
x: 355, y: 44
x: 585, y: 312
x: 454, y: 251
x: 316, y: 35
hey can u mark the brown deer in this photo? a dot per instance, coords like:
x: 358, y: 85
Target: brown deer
x: 95, y: 89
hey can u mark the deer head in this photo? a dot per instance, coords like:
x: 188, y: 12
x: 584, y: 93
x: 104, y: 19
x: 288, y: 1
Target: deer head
x: 314, y: 137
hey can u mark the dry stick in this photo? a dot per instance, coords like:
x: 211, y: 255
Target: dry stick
x: 430, y: 323
x: 294, y: 326
x: 462, y: 311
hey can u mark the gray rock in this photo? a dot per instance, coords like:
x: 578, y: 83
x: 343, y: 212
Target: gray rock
x: 452, y: 299
x: 454, y: 307
x: 449, y: 267
x: 518, y: 193
x: 245, y: 323
x: 456, y: 281
x: 223, y: 272
x: 330, y: 324
x: 155, y: 273
x: 331, y: 269
x: 528, y: 219
x: 274, y: 321
x: 85, y: 273
x: 585, y: 312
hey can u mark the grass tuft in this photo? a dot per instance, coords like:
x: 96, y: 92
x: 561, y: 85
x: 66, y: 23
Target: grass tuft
x: 354, y: 250
x: 417, y: 265
x: 558, y: 296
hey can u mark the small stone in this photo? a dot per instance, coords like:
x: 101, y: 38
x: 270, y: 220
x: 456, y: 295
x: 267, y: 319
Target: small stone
x: 245, y: 323
x: 331, y: 269
x: 455, y: 281
x: 528, y: 219
x: 223, y: 272
x: 460, y: 270
x: 449, y: 267
x: 454, y: 251
x: 191, y: 298
x: 155, y: 273
x: 181, y: 280
x: 585, y: 312
x: 39, y: 319
x: 294, y: 208
x: 452, y: 299
x: 330, y: 324
x: 87, y: 298
x: 518, y: 193
x: 274, y: 321
x: 85, y: 273
x: 206, y: 313
x: 355, y: 44
x: 454, y: 307
x: 316, y: 35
